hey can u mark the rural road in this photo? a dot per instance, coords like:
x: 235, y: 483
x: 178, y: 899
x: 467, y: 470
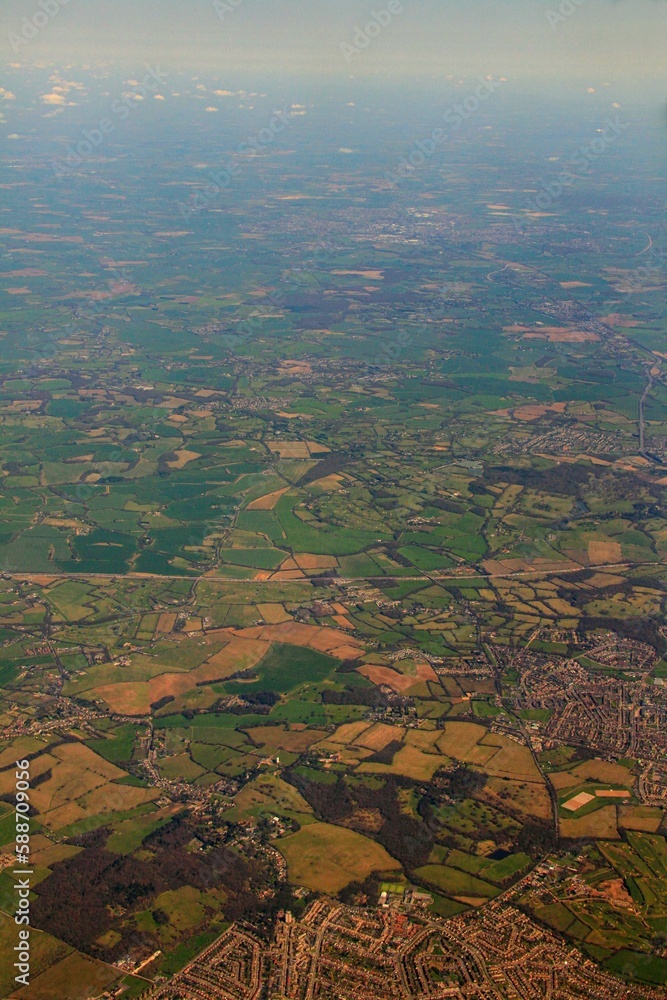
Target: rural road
x: 642, y: 418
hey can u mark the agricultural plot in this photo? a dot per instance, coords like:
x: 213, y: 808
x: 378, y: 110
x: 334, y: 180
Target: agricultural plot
x: 601, y: 823
x: 77, y: 786
x: 619, y: 907
x: 45, y: 952
x: 379, y: 608
x: 400, y: 681
x: 75, y: 976
x: 283, y: 668
x: 327, y: 858
x: 268, y: 795
x: 461, y: 885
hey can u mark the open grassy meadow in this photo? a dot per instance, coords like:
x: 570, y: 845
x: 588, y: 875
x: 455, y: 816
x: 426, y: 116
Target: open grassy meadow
x: 327, y: 858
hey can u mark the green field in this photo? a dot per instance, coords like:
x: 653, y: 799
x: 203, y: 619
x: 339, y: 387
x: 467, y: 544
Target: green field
x: 455, y: 882
x: 324, y: 509
x: 284, y: 668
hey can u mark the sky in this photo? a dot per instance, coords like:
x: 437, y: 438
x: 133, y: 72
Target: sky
x: 542, y: 40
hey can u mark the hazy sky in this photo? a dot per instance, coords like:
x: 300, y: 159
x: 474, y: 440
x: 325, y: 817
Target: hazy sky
x: 598, y: 39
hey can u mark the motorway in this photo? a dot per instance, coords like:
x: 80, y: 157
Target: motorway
x: 210, y: 577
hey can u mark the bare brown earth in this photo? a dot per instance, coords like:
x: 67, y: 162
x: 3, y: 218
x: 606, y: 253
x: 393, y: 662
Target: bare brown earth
x: 273, y: 614
x: 618, y: 319
x: 305, y: 560
x: 530, y: 412
x: 554, y: 334
x: 25, y: 272
x: 136, y: 697
x: 326, y: 640
x: 267, y: 502
x: 277, y: 738
x: 500, y: 567
x: 601, y: 552
x: 391, y: 678
x: 379, y: 736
